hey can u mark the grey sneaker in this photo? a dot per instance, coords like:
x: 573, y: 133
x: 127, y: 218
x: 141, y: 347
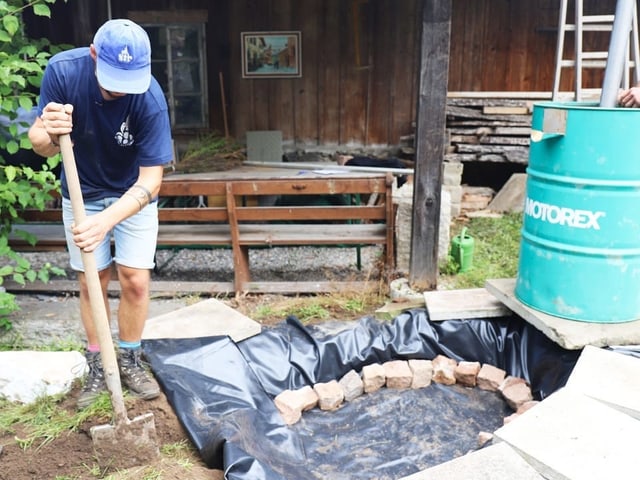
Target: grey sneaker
x: 134, y: 376
x: 94, y: 383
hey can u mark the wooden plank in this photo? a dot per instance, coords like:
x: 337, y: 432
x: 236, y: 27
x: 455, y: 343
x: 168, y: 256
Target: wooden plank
x: 160, y: 288
x: 498, y: 140
x: 505, y: 110
x: 379, y: 118
x: 311, y: 213
x: 431, y: 120
x: 306, y: 103
x: 404, y: 67
x: 463, y: 304
x: 329, y: 73
x: 311, y: 234
x: 466, y: 112
x: 241, y: 273
x: 353, y: 81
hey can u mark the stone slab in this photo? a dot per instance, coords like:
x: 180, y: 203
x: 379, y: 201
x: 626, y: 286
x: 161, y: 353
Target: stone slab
x: 569, y: 334
x: 569, y: 436
x: 496, y: 462
x: 510, y: 198
x: 462, y: 304
x: 609, y: 377
x: 28, y: 375
x: 203, y: 319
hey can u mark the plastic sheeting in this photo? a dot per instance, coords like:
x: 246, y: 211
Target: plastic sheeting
x: 223, y: 394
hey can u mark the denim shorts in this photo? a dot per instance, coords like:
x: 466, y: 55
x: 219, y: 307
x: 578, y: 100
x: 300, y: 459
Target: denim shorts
x: 134, y: 238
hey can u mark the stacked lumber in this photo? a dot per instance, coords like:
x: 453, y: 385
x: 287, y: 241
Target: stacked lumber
x: 488, y: 130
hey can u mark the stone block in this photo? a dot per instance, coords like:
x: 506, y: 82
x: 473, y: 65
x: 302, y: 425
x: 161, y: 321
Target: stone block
x: 422, y: 372
x: 288, y: 405
x: 490, y: 378
x: 352, y: 385
x: 517, y: 394
x: 330, y: 395
x: 466, y: 373
x: 443, y: 370
x: 526, y: 406
x: 373, y: 377
x: 398, y: 374
x: 308, y: 398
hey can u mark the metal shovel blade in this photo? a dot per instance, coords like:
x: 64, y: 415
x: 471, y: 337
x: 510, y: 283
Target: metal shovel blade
x: 126, y: 444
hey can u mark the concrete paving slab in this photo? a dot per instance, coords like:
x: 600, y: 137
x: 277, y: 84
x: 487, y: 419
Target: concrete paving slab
x: 203, y: 319
x: 570, y: 334
x: 610, y: 377
x: 569, y: 436
x: 461, y: 304
x: 496, y: 462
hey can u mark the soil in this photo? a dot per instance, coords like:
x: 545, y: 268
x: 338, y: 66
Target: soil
x: 71, y: 456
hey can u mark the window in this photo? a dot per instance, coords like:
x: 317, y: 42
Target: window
x: 178, y: 61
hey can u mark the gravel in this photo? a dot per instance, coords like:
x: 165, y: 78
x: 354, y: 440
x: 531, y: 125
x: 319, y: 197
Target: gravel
x: 266, y: 264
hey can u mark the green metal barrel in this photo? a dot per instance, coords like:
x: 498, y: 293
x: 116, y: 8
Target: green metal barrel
x: 580, y: 248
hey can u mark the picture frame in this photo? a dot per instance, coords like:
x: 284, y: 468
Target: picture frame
x: 271, y: 54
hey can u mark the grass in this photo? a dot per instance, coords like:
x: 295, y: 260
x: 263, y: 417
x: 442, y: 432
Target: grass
x: 495, y: 255
x: 496, y: 251
x: 45, y: 420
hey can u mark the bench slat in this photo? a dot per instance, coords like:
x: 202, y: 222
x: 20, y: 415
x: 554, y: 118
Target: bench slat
x: 51, y: 235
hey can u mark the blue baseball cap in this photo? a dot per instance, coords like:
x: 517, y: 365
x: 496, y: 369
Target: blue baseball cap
x: 123, y: 62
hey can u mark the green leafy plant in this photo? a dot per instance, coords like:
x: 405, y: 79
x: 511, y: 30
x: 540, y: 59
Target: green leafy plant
x: 22, y: 64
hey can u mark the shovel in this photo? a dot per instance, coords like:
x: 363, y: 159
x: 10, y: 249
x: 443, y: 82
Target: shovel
x: 132, y: 441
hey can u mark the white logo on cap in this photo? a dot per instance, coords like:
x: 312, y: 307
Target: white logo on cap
x: 124, y: 56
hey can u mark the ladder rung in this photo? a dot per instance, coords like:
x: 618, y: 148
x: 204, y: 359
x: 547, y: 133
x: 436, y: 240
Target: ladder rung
x: 598, y: 18
x: 591, y: 64
x: 590, y: 28
x: 594, y: 64
x: 585, y: 64
x: 594, y: 55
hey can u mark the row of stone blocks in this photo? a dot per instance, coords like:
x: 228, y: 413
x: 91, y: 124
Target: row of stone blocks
x: 404, y: 374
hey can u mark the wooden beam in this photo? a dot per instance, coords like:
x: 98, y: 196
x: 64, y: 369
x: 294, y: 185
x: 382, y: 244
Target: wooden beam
x: 430, y: 136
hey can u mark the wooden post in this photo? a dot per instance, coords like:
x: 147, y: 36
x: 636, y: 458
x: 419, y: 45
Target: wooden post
x: 430, y: 136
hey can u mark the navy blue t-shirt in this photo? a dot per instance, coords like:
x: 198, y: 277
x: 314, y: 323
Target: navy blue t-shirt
x: 112, y: 138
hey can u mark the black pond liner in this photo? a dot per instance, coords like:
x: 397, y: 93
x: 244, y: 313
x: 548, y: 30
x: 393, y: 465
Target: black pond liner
x: 223, y: 394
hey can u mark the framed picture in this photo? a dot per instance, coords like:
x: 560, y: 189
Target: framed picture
x: 271, y: 55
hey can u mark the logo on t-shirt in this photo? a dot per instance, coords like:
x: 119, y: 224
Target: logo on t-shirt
x: 124, y: 136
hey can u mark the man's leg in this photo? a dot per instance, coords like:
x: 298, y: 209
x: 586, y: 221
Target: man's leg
x: 132, y: 314
x: 135, y: 250
x: 94, y: 383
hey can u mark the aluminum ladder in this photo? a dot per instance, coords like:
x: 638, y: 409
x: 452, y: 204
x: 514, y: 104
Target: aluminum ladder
x: 592, y: 59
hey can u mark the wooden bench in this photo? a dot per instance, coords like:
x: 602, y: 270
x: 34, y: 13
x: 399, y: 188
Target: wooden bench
x: 237, y: 211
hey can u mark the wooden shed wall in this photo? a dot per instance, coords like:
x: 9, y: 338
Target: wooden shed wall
x: 359, y: 59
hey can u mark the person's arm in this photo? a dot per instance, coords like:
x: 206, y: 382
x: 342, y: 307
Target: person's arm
x: 89, y: 233
x: 47, y: 128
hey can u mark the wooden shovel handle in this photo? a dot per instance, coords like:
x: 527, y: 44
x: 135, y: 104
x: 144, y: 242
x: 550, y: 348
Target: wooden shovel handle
x: 98, y: 308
